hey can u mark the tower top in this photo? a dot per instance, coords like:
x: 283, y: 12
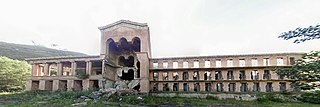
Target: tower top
x: 123, y: 23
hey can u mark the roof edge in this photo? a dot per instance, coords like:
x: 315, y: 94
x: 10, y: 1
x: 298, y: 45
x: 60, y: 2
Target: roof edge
x: 123, y: 22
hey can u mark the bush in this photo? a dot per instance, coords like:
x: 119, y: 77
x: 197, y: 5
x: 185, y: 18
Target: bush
x: 270, y: 97
x: 13, y: 74
x: 310, y: 97
x: 81, y: 74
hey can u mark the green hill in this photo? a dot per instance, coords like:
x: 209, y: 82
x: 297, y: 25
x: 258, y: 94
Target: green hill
x: 19, y: 51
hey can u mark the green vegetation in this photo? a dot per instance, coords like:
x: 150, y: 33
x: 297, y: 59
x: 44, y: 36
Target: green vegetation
x: 81, y: 74
x: 13, y: 74
x: 302, y: 34
x: 56, y: 99
x: 21, y: 52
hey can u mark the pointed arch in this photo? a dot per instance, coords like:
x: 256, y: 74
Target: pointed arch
x: 111, y: 46
x: 136, y: 44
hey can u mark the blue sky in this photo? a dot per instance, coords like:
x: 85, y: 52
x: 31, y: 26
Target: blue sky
x: 177, y: 27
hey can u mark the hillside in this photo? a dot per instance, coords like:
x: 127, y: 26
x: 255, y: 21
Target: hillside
x: 19, y: 51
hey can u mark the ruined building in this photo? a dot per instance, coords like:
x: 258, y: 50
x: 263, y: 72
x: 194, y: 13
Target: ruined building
x: 125, y: 55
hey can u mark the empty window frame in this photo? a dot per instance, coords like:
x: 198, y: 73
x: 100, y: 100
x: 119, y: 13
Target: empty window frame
x: 229, y: 63
x: 219, y: 87
x: 185, y: 87
x: 242, y: 75
x: 207, y: 64
x: 185, y: 64
x: 165, y: 87
x: 218, y: 62
x: 208, y: 87
x: 292, y: 60
x: 155, y: 76
x: 269, y: 87
x: 232, y: 87
x: 282, y: 86
x: 196, y: 75
x: 165, y: 76
x: 175, y: 76
x: 175, y: 64
x: 267, y: 75
x: 207, y: 75
x: 155, y: 87
x: 244, y: 87
x: 185, y: 76
x: 279, y: 61
x: 230, y: 75
x: 196, y: 64
x: 155, y: 64
x: 165, y: 64
x: 218, y: 75
x: 242, y: 63
x: 175, y: 87
x: 266, y: 62
x: 254, y: 62
x: 196, y: 87
x: 255, y: 75
x: 256, y: 87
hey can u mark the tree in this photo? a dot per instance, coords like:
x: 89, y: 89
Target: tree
x: 306, y: 69
x: 13, y: 74
x: 302, y: 34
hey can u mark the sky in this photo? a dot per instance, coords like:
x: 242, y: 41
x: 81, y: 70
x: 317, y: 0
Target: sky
x: 177, y: 27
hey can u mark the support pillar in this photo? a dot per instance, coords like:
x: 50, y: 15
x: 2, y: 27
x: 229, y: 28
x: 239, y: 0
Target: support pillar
x: 224, y: 75
x: 191, y: 73
x: 191, y: 86
x: 160, y: 86
x: 73, y: 68
x: 28, y: 85
x: 85, y: 84
x: 170, y: 84
x: 46, y: 69
x: 236, y: 74
x: 248, y: 74
x: 225, y: 86
x: 275, y: 86
x: 202, y: 86
x: 88, y: 67
x: 170, y: 75
x: 201, y: 75
x: 60, y: 69
x: 238, y: 84
x: 180, y: 86
x: 70, y: 85
x: 55, y: 86
x: 180, y: 73
x: 250, y: 86
x: 263, y: 86
x: 42, y: 84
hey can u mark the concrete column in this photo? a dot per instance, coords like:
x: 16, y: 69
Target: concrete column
x: 100, y: 83
x: 275, y: 86
x: 160, y: 76
x: 160, y: 64
x: 288, y: 86
x: 274, y: 75
x: 180, y: 86
x: 55, y: 86
x: 250, y: 86
x: 190, y: 75
x: 28, y: 85
x: 151, y: 76
x: 225, y: 86
x: 42, y: 84
x: 236, y: 74
x: 202, y: 86
x: 238, y: 84
x: 170, y: 64
x: 170, y: 78
x: 170, y: 84
x: 213, y: 86
x: 34, y: 70
x: 70, y: 85
x: 86, y: 84
x: 235, y: 62
x: 46, y: 69
x: 180, y: 64
x: 88, y: 67
x: 59, y: 64
x: 73, y: 68
x: 248, y: 74
x: 263, y: 86
x: 180, y: 73
x: 160, y: 87
x: 201, y: 75
x: 224, y: 75
x: 261, y: 72
x: 201, y: 63
x: 191, y: 86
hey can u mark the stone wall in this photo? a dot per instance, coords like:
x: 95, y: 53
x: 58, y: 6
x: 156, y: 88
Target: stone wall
x: 245, y: 97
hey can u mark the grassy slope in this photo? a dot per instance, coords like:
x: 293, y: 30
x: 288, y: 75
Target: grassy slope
x: 54, y: 99
x: 18, y: 51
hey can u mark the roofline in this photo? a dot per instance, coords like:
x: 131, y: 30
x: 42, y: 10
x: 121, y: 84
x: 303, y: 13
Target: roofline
x: 234, y: 55
x: 123, y: 21
x: 61, y: 57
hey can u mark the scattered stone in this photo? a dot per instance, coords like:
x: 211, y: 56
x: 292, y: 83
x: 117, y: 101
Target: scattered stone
x: 41, y: 102
x: 83, y: 97
x: 95, y: 95
x: 139, y: 98
x: 80, y: 104
x: 87, y: 99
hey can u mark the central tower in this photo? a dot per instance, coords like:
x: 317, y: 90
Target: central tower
x: 125, y: 49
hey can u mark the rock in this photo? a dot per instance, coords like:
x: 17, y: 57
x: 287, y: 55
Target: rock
x: 80, y: 104
x: 139, y: 98
x: 120, y: 85
x: 83, y: 97
x: 133, y: 84
x: 95, y: 95
x: 87, y: 99
x: 108, y: 84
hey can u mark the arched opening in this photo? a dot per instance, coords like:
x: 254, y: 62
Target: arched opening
x: 126, y: 62
x: 124, y: 45
x: 136, y: 43
x: 127, y: 75
x: 138, y: 70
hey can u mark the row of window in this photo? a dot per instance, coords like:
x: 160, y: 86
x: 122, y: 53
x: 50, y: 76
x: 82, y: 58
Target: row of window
x: 254, y: 75
x: 219, y: 87
x: 242, y: 63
